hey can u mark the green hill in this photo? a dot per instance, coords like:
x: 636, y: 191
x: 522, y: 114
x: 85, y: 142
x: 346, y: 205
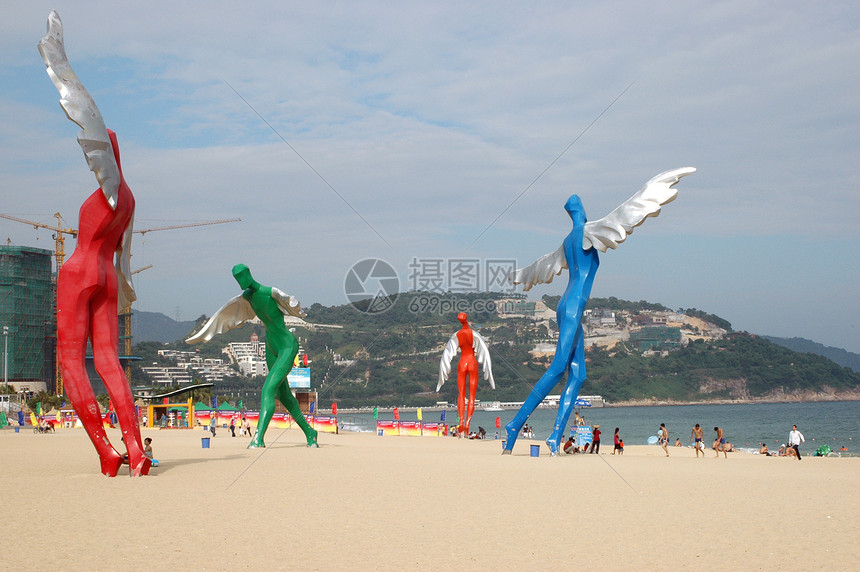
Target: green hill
x: 392, y: 358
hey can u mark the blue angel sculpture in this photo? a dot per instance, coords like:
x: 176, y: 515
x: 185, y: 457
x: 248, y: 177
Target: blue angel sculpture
x: 578, y: 253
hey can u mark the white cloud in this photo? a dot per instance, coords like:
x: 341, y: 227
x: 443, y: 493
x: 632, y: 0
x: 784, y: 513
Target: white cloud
x: 430, y: 119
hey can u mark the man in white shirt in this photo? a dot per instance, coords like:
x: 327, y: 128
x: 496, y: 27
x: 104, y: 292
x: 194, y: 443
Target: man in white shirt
x: 795, y: 438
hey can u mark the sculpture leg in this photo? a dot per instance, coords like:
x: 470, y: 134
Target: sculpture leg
x: 473, y: 390
x: 461, y: 398
x: 106, y: 360
x: 72, y: 325
x: 575, y: 378
x: 541, y: 389
x: 291, y: 403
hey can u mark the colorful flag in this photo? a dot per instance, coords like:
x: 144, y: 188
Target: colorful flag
x: 240, y: 405
x: 305, y: 360
x: 498, y: 422
x: 444, y: 411
x: 419, y: 414
x: 334, y: 408
x: 214, y: 402
x: 396, y: 414
x: 376, y: 413
x: 165, y: 400
x: 313, y: 403
x: 39, y: 407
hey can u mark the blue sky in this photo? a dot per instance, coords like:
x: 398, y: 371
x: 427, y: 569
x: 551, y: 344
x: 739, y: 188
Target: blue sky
x: 430, y: 119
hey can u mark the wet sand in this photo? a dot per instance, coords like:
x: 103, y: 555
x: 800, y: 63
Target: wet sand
x: 366, y: 502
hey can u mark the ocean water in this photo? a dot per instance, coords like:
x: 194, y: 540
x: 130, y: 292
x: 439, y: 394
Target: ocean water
x: 745, y: 425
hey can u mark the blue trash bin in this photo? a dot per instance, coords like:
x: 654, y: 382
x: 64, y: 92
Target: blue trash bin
x: 380, y: 432
x: 535, y: 451
x: 205, y: 442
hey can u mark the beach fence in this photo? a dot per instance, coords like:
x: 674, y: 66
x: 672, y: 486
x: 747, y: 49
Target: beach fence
x: 410, y: 428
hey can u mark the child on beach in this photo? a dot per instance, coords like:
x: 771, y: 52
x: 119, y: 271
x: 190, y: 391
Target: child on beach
x: 147, y: 451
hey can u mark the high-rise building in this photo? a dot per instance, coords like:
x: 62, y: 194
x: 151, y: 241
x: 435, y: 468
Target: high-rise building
x: 27, y: 315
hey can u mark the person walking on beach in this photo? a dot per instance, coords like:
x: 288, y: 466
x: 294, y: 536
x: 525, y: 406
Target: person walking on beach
x: 719, y: 443
x: 664, y: 436
x: 795, y: 438
x: 698, y: 440
x: 595, y: 443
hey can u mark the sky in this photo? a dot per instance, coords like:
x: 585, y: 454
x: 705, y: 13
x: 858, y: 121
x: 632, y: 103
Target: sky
x: 415, y: 132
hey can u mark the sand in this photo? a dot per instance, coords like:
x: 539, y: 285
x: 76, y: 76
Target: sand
x: 363, y: 502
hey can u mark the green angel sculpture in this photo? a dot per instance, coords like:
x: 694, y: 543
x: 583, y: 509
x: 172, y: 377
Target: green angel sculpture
x: 270, y: 305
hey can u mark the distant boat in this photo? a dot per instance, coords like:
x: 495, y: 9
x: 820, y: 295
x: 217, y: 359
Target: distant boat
x: 493, y: 406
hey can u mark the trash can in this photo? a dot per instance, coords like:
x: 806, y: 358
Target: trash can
x: 17, y: 428
x: 205, y: 442
x: 535, y: 451
x: 380, y: 432
x: 503, y: 445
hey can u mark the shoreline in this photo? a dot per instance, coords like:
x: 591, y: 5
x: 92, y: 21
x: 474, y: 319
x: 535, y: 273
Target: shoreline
x: 840, y: 397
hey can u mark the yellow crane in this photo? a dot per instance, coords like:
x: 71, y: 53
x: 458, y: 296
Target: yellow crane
x: 60, y: 256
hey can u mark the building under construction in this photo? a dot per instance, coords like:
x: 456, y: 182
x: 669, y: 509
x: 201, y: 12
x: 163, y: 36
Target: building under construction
x: 28, y: 318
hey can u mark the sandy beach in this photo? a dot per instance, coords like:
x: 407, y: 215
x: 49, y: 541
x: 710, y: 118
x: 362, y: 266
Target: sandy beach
x: 366, y: 502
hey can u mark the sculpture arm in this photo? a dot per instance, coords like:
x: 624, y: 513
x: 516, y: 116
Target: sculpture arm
x: 445, y: 364
x: 234, y: 313
x: 81, y: 109
x: 482, y: 353
x: 612, y: 230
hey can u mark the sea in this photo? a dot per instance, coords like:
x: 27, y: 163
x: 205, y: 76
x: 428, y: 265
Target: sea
x: 834, y: 423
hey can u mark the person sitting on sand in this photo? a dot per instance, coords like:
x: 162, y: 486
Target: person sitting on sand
x: 764, y: 451
x: 147, y: 451
x: 781, y: 452
x: 570, y: 446
x: 678, y: 442
x: 790, y: 453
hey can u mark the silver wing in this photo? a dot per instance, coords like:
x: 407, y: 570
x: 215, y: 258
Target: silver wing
x: 234, y: 313
x: 448, y: 354
x: 288, y: 304
x: 541, y: 271
x: 613, y: 229
x: 482, y: 353
x: 610, y: 231
x: 81, y: 109
x: 125, y: 289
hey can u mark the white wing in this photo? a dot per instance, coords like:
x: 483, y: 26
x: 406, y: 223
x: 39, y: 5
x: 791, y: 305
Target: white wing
x: 541, y: 271
x: 288, y: 304
x: 445, y: 365
x: 613, y: 229
x: 482, y: 353
x: 81, y: 109
x: 232, y: 314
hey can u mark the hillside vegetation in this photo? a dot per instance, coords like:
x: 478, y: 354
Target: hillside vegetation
x: 393, y: 358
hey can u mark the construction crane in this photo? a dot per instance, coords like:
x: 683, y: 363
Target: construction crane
x: 59, y: 231
x: 60, y: 256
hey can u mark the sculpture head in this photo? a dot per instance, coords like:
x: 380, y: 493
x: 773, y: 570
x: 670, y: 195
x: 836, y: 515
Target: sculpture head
x: 574, y: 208
x: 242, y: 274
x: 464, y: 319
